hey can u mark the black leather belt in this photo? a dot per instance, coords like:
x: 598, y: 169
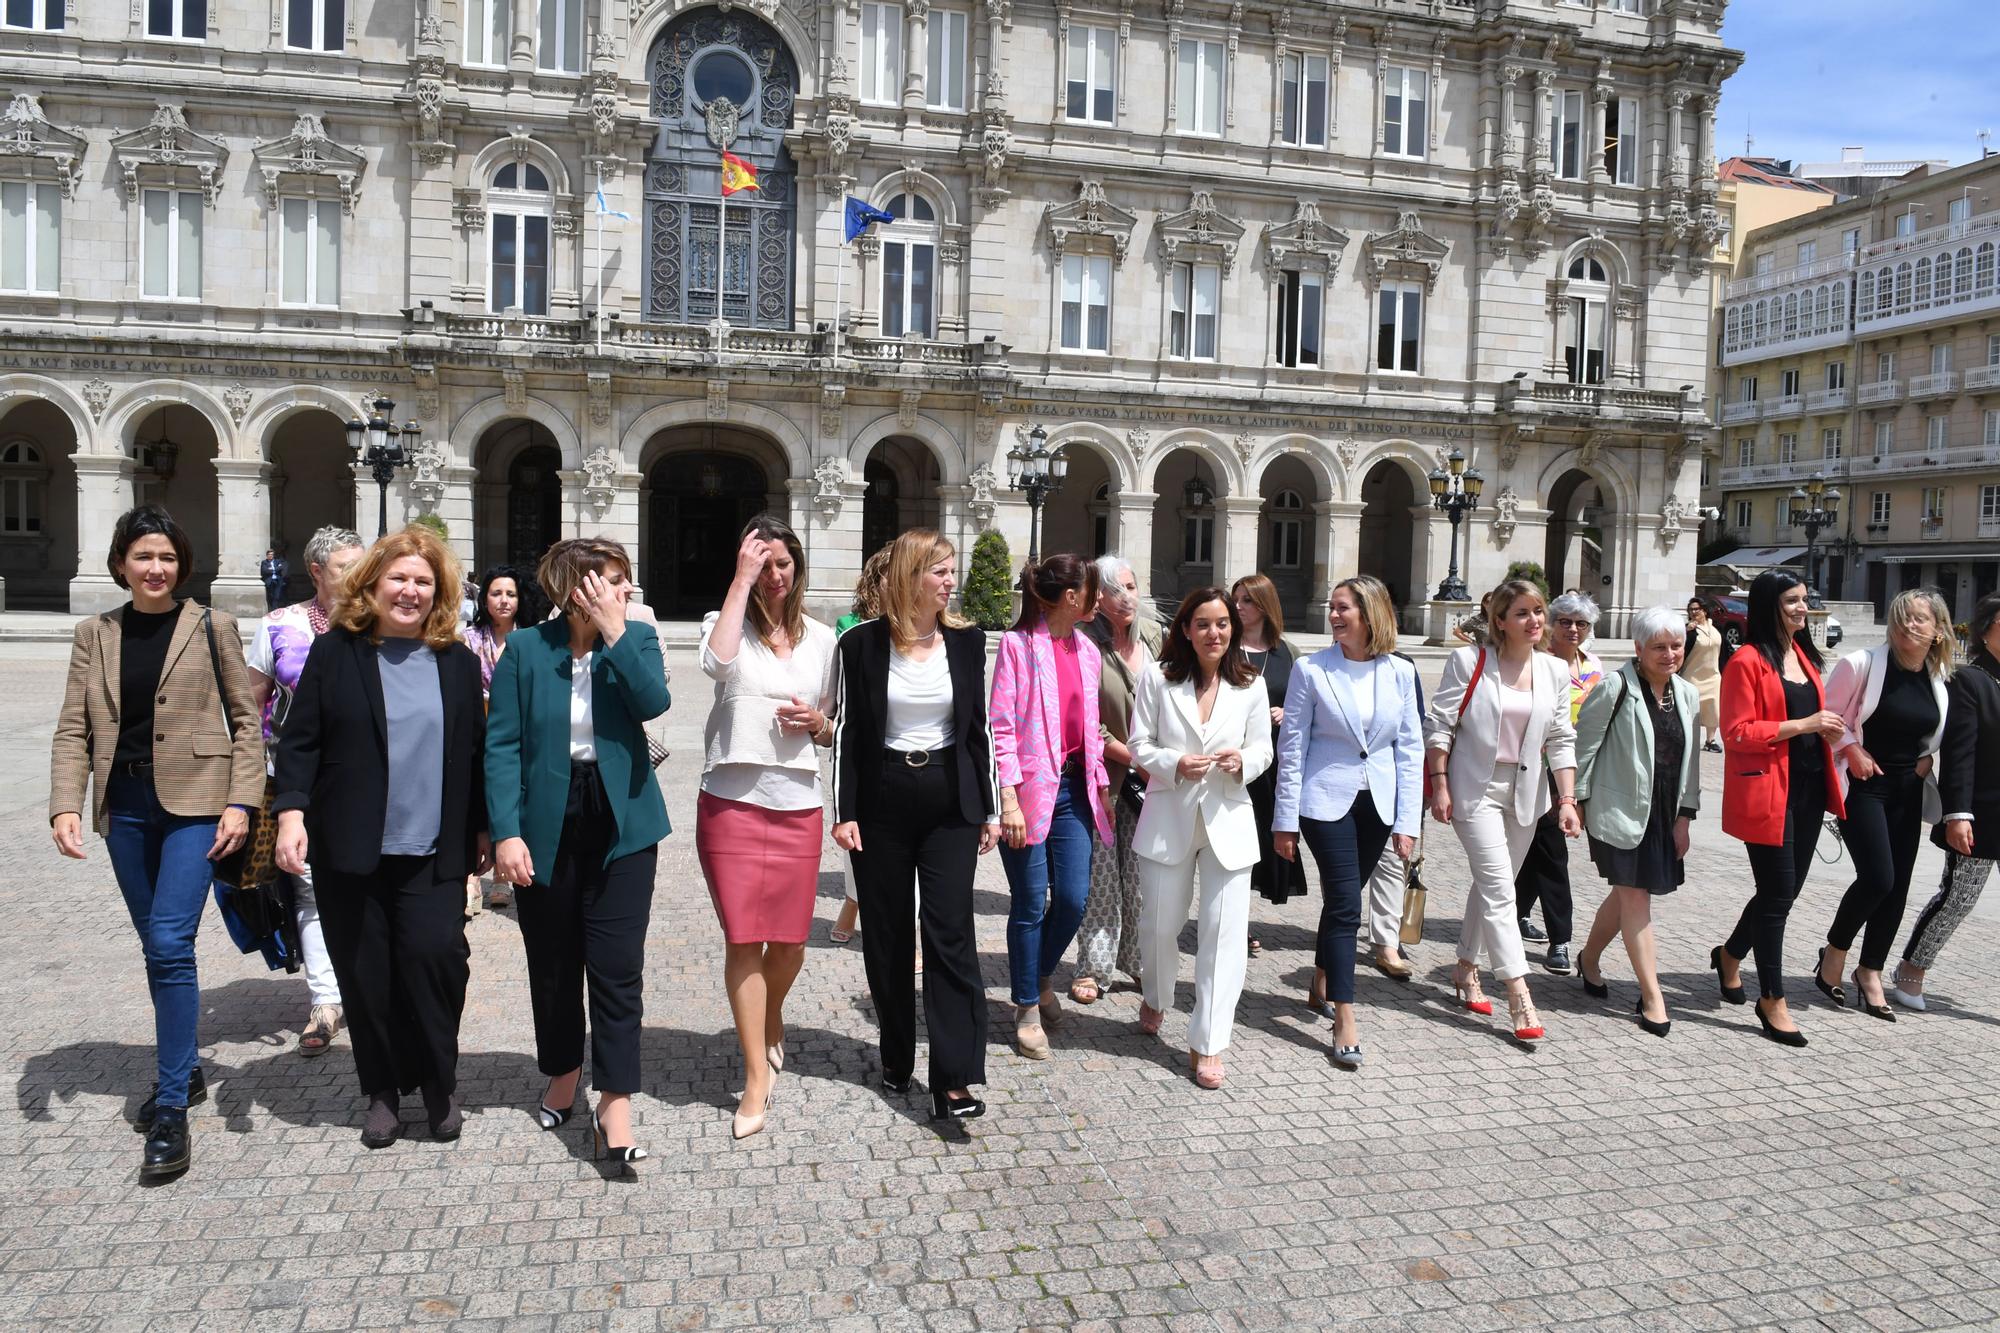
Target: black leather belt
x: 133, y: 768
x: 915, y: 758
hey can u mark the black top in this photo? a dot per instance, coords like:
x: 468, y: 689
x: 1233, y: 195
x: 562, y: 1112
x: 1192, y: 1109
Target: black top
x: 1808, y: 752
x: 1275, y: 665
x: 143, y: 637
x: 1669, y: 745
x: 1904, y: 718
x: 1968, y: 771
x: 863, y: 712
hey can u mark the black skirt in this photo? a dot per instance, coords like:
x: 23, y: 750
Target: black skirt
x: 1273, y: 877
x: 1652, y: 865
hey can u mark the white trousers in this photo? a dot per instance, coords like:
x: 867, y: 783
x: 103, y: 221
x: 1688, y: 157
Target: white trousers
x: 320, y: 981
x: 1222, y: 948
x: 1385, y: 900
x: 1495, y: 845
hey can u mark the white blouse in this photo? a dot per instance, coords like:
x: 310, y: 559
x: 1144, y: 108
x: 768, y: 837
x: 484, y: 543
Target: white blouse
x: 920, y: 702
x: 582, y: 727
x: 749, y: 757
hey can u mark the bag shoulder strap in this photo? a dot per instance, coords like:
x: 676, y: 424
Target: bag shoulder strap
x: 1624, y: 693
x: 215, y: 665
x: 1478, y: 670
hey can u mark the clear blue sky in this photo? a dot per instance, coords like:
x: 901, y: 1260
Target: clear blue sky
x: 1902, y: 78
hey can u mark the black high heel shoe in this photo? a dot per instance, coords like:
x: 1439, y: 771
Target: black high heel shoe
x: 1778, y: 1034
x: 1596, y: 990
x: 946, y: 1107
x: 548, y: 1117
x: 1834, y: 992
x: 626, y: 1157
x: 1730, y: 994
x: 1659, y: 1029
x: 1881, y: 1011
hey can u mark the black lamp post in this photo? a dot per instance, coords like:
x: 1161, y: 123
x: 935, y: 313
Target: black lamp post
x: 1815, y: 507
x: 1037, y: 472
x: 378, y: 442
x: 1456, y: 492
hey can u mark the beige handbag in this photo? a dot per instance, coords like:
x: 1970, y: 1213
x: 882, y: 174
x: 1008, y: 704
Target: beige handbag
x: 1412, y: 931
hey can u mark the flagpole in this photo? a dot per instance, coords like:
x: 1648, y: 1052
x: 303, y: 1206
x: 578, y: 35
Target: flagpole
x: 840, y: 281
x: 722, y: 243
x: 600, y: 259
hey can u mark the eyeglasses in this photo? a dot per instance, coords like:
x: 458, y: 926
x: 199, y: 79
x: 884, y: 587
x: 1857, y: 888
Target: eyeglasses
x: 1574, y: 624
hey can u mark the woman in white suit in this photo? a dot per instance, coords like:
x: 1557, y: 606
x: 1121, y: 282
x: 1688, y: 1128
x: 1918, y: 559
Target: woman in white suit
x: 1201, y: 729
x: 1499, y: 716
x: 1350, y: 777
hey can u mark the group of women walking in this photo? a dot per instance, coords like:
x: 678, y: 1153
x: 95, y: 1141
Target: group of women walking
x: 1129, y: 774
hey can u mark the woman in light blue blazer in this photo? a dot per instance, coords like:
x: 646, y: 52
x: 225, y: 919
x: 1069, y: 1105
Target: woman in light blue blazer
x: 1350, y: 779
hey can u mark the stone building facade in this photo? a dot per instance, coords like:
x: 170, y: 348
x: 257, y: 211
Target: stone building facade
x: 1257, y: 267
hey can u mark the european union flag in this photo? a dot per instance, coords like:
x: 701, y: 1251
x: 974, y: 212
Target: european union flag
x: 861, y: 214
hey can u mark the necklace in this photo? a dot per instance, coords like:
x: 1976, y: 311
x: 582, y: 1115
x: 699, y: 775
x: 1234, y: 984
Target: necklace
x: 925, y: 638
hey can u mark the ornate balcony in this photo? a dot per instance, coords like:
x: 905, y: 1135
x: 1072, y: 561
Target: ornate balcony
x: 1821, y: 401
x: 1881, y: 393
x: 1737, y: 414
x: 1788, y: 405
x: 1614, y: 401
x: 1982, y: 379
x: 1944, y: 384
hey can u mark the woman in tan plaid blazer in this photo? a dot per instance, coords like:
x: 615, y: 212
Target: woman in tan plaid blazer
x: 144, y: 723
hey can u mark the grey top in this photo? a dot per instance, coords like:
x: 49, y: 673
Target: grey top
x: 413, y: 708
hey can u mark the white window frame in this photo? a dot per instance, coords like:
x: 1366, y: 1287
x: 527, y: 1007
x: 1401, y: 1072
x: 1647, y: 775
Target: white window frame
x: 51, y: 11
x: 178, y: 203
x: 1788, y: 383
x: 1993, y: 349
x: 1989, y: 507
x: 565, y: 33
x: 1096, y: 51
x: 1782, y: 519
x: 1621, y: 140
x: 1196, y: 104
x: 1879, y: 508
x: 1746, y: 451
x: 1297, y: 75
x: 1850, y: 240
x: 1288, y: 531
x: 1832, y: 442
x: 945, y: 59
x: 1991, y: 429
x: 1075, y: 277
x: 917, y: 239
x: 881, y: 53
x: 1808, y: 252
x: 36, y: 198
x: 1935, y: 499
x: 1746, y: 389
x: 1836, y: 374
x: 1885, y: 367
x: 1186, y: 317
x: 1937, y: 434
x: 1404, y: 292
x: 1958, y: 210
x: 1560, y: 123
x: 23, y: 489
x: 523, y: 205
x: 1294, y: 325
x: 1940, y: 358
x: 486, y: 41
x: 317, y: 211
x: 1885, y: 438
x: 316, y: 37
x: 1198, y: 537
x: 181, y: 16
x: 1745, y: 516
x: 1906, y: 222
x: 1788, y: 449
x: 1401, y: 138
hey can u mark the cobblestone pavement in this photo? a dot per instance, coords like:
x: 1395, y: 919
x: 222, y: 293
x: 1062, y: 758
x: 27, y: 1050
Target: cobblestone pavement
x: 1461, y: 1182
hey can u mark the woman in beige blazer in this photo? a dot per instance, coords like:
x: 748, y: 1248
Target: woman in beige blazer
x: 158, y: 717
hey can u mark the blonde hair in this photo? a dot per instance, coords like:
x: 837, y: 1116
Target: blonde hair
x: 1378, y: 612
x: 354, y: 607
x: 868, y: 588
x: 910, y: 555
x: 564, y: 565
x: 1496, y: 604
x: 1943, y: 648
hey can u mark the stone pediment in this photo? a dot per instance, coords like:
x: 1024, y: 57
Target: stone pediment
x: 26, y: 132
x: 166, y: 142
x: 309, y: 151
x: 1092, y: 216
x: 1201, y: 232
x: 1306, y: 241
x: 1408, y: 250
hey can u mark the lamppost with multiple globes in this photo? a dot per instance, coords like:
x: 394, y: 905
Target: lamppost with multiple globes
x: 1456, y: 492
x: 1037, y: 472
x: 1815, y: 507
x: 378, y: 442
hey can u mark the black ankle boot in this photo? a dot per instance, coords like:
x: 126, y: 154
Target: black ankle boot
x: 142, y: 1123
x: 441, y: 1109
x: 167, y: 1152
x: 385, y: 1121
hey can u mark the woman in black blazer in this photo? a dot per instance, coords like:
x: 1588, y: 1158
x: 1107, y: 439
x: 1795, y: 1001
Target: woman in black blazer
x: 916, y: 794
x: 380, y: 787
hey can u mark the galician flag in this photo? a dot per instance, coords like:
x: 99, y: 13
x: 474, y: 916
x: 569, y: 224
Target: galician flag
x: 737, y: 175
x: 604, y: 210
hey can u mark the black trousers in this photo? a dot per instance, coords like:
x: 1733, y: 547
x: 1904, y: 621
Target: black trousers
x: 1544, y: 878
x: 1780, y: 872
x: 911, y: 827
x: 397, y: 941
x: 1346, y: 850
x: 587, y: 923
x: 1884, y: 822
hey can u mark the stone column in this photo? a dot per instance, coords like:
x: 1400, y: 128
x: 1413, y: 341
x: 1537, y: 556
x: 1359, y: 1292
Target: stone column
x: 1132, y: 532
x: 103, y: 492
x: 243, y: 528
x: 1599, y: 173
x: 916, y: 53
x: 1510, y: 142
x: 1704, y: 161
x: 1544, y: 108
x: 1239, y: 515
x: 521, y: 55
x: 1336, y: 554
x: 1676, y: 160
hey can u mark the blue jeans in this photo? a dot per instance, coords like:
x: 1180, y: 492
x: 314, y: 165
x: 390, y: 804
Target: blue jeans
x: 1050, y: 883
x: 161, y: 861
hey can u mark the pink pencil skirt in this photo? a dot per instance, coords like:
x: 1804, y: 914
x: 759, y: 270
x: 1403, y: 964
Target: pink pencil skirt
x: 762, y: 868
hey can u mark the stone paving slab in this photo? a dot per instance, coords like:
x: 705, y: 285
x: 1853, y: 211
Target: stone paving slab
x: 1460, y: 1182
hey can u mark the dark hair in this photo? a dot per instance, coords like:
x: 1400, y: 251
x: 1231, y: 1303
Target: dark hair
x: 1042, y: 586
x: 531, y: 608
x: 1983, y: 616
x: 1710, y: 607
x: 1177, y: 657
x: 771, y: 528
x: 148, y: 521
x: 1764, y: 628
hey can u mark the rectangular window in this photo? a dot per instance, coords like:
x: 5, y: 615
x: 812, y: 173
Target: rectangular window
x: 1198, y: 98
x: 1937, y: 434
x: 486, y: 26
x: 309, y: 252
x: 1086, y: 303
x: 1830, y: 442
x: 1989, y: 509
x: 559, y: 37
x: 1746, y: 389
x: 1788, y: 384
x: 1992, y: 431
x: 1783, y: 516
x: 1958, y: 210
x: 186, y: 20
x: 1705, y: 482
x: 316, y: 25
x: 1836, y: 374
x: 1743, y: 515
x: 1093, y: 75
x: 1885, y: 367
x: 1621, y: 140
x: 1191, y: 321
x: 1566, y: 134
x: 1198, y: 539
x: 1933, y: 510
x: 1940, y: 358
x: 1788, y: 449
x: 1885, y: 438
x: 45, y: 15
x: 944, y: 82
x: 521, y: 263
x: 30, y: 236
x: 1878, y: 509
x: 1304, y: 110
x: 881, y: 54
x: 1405, y: 112
x: 1584, y: 339
x: 1746, y: 451
x: 1299, y: 313
x: 1906, y: 222
x: 1627, y: 6
x: 1767, y: 263
x: 1993, y: 349
x: 1850, y: 240
x: 909, y: 270
x: 170, y: 245
x: 1399, y: 327
x: 1287, y: 542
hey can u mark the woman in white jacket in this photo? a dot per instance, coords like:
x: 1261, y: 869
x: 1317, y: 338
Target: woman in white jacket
x: 1201, y: 729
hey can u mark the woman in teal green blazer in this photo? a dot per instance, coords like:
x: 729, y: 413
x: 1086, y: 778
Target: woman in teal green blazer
x: 577, y: 817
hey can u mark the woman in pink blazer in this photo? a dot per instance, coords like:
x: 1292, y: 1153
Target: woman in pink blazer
x: 1053, y: 787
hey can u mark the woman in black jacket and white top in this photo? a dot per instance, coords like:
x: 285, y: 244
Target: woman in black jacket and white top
x: 916, y: 795
x: 1892, y: 698
x: 1968, y: 782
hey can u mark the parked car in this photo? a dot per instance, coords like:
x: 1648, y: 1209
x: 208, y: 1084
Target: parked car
x: 1735, y: 615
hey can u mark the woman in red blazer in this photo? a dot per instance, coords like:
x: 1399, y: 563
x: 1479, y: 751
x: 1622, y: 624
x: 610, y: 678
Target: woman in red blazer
x: 1778, y: 783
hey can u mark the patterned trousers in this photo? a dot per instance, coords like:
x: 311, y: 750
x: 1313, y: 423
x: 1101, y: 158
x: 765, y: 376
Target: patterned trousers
x: 1109, y: 935
x: 1958, y: 893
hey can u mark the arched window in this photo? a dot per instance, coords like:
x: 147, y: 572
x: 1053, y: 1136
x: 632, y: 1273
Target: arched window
x: 1961, y: 276
x: 517, y: 275
x: 1823, y: 311
x: 22, y: 478
x: 909, y: 268
x: 1288, y: 530
x: 1982, y: 269
x: 1866, y: 307
x: 1792, y: 316
x: 1586, y: 306
x: 1903, y: 287
x: 1759, y: 325
x: 1923, y: 297
x: 1731, y: 323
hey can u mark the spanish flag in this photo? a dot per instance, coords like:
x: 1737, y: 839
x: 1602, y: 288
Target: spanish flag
x: 737, y: 175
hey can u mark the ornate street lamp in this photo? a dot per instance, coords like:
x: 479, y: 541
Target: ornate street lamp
x: 1815, y: 507
x: 1456, y: 492
x: 1037, y: 472
x: 378, y: 442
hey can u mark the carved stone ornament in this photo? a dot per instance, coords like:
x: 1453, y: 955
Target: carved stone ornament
x: 1138, y: 441
x: 600, y: 479
x: 906, y: 408
x: 427, y: 405
x: 237, y: 399
x: 717, y: 406
x: 980, y: 504
x: 1200, y: 232
x: 720, y: 118
x: 308, y: 152
x: 166, y: 143
x: 1304, y: 242
x: 1673, y: 519
x: 832, y: 398
x: 1506, y: 509
x: 996, y: 144
x: 514, y: 386
x: 1593, y: 448
x: 597, y: 386
x: 25, y: 132
x: 97, y: 397
x: 1246, y: 446
x: 1346, y: 450
x: 1409, y: 249
x: 828, y: 477
x: 430, y: 30
x: 1510, y: 446
x: 1090, y: 215
x: 427, y: 485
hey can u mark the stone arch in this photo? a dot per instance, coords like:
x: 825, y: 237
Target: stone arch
x: 944, y: 446
x: 16, y: 388
x: 520, y: 147
x: 1310, y: 450
x: 41, y: 538
x: 122, y: 421
x: 780, y: 429
x: 311, y: 475
x: 918, y: 180
x: 261, y: 425
x: 803, y: 44
x: 475, y: 420
x: 1116, y: 453
x: 1604, y: 468
x: 1604, y: 252
x: 1220, y: 457
x: 1410, y: 456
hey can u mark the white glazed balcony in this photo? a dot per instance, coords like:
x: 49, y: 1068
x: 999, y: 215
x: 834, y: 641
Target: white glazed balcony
x: 1938, y: 275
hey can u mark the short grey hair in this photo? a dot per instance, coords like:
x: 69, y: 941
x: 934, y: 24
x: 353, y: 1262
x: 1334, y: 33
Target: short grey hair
x: 1656, y: 621
x: 322, y: 544
x: 1580, y: 604
x: 1109, y: 567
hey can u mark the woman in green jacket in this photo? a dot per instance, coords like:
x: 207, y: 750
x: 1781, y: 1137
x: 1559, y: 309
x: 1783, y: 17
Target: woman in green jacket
x: 577, y: 816
x: 1638, y: 778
